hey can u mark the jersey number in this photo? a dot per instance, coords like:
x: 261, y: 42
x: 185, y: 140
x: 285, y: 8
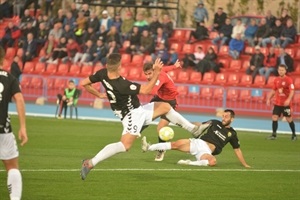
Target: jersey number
x: 112, y: 96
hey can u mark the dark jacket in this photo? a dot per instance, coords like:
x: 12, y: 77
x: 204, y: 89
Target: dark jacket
x: 220, y: 19
x: 15, y: 70
x: 289, y: 32
x: 276, y: 31
x: 262, y: 31
x: 288, y: 62
x: 257, y: 60
x: 226, y: 30
x: 30, y: 47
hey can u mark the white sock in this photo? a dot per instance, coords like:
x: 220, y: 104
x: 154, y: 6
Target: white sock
x: 108, y: 151
x: 179, y: 120
x: 14, y: 184
x: 199, y: 163
x: 160, y: 146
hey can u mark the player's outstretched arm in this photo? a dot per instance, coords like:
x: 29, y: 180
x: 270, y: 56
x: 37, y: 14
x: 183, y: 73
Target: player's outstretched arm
x: 87, y: 84
x: 22, y: 120
x: 147, y: 88
x: 239, y: 154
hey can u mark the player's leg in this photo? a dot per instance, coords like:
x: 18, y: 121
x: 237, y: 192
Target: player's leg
x: 162, y: 123
x: 180, y: 145
x: 277, y: 110
x: 288, y: 115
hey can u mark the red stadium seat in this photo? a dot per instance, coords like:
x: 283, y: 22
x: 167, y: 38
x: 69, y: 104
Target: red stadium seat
x: 290, y: 51
x: 74, y: 70
x: 296, y: 99
x: 213, y: 35
x: 86, y: 71
x: 124, y: 71
x: 63, y: 69
x: 206, y: 93
x: 50, y: 69
x: 297, y: 69
x: 25, y: 82
x: 232, y: 94
x: 134, y: 73
x: 259, y: 81
x: 176, y: 46
x: 178, y: 35
x: 187, y: 49
x: 208, y: 78
x: 224, y: 49
x: 264, y: 50
x: 249, y: 50
x: 183, y: 77
x: 20, y: 52
x: 2, y: 33
x: 50, y: 83
x: 246, y: 80
x: 187, y: 35
x: 182, y: 90
x: 270, y: 82
x: 28, y: 68
x: 235, y: 65
x: 233, y: 79
x: 297, y: 83
x: 245, y: 65
x: 137, y: 60
x: 221, y: 79
x: 225, y: 62
x: 218, y: 93
x: 125, y: 44
x: 259, y: 98
x: 195, y: 77
x: 148, y: 58
x: 125, y: 59
x: 297, y: 55
x: 37, y: 82
x: 39, y: 68
x: 245, y: 95
x: 173, y: 74
x: 60, y: 84
x: 10, y: 53
x: 97, y: 68
x: 6, y: 64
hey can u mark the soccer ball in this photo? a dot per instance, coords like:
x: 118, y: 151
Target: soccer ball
x: 166, y: 133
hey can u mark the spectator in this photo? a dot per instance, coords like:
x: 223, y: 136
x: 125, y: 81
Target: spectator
x: 29, y: 2
x: 15, y: 69
x: 288, y: 34
x: 29, y: 48
x: 200, y: 13
x: 160, y: 37
x: 162, y: 53
x: 72, y: 48
x: 250, y: 32
x: 219, y: 19
x: 112, y: 48
x: 60, y: 18
x: 270, y: 19
x: 86, y: 10
x: 56, y: 31
x: 6, y: 9
x: 146, y: 43
x: 100, y: 53
x: 236, y: 46
x: 208, y: 63
x: 153, y: 26
x: 70, y: 20
x: 201, y: 33
x: 87, y: 56
x: 74, y: 10
x: 225, y: 32
x: 140, y: 22
x: 93, y: 22
x: 173, y: 57
x: 18, y: 7
x: 102, y: 34
x: 59, y: 51
x: 113, y: 35
x: 25, y: 19
x: 191, y: 60
x: 49, y: 6
x: 127, y: 25
x: 106, y: 21
x: 47, y: 22
x: 285, y: 59
x: 89, y: 35
x: 239, y: 28
x: 274, y: 35
x: 117, y: 22
x: 12, y: 34
x: 68, y: 32
x: 284, y: 17
x: 134, y: 39
x: 28, y: 29
x: 48, y: 48
x: 81, y: 24
x: 42, y: 35
x: 269, y: 65
x: 256, y: 63
x: 263, y: 31
x: 167, y: 25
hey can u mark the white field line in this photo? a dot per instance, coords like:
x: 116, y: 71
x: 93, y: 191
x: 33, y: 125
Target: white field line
x: 163, y: 170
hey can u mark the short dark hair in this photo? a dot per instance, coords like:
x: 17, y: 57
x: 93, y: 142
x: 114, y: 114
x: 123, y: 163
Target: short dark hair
x: 232, y: 113
x: 284, y: 66
x: 113, y: 61
x: 147, y: 66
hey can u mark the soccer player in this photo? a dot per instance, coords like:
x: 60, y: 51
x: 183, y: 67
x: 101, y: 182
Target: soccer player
x: 165, y: 91
x: 209, y: 144
x: 283, y: 90
x: 123, y: 97
x: 9, y: 88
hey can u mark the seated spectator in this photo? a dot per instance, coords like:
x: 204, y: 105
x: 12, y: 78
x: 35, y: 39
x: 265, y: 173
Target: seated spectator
x: 80, y: 25
x: 100, y: 52
x: 238, y: 28
x: 49, y: 6
x: 25, y: 19
x: 250, y: 32
x: 28, y: 29
x: 284, y: 17
x: 29, y: 48
x: 284, y: 59
x: 70, y: 21
x: 93, y: 22
x: 167, y: 25
x: 146, y: 43
x: 18, y: 5
x: 162, y: 53
x: 274, y: 35
x: 113, y: 35
x: 236, y: 46
x: 288, y: 34
x: 208, y: 63
x: 219, y: 19
x: 225, y: 32
x: 72, y: 48
x: 12, y: 34
x: 88, y: 35
x: 87, y: 55
x: 68, y: 32
x: 191, y: 60
x: 15, y: 69
x: 201, y: 33
x: 262, y: 32
x: 59, y: 51
x: 59, y: 18
x: 269, y: 65
x: 86, y: 10
x: 6, y: 9
x: 256, y: 63
x: 173, y: 57
x: 140, y: 22
x: 42, y: 35
x: 117, y: 22
x: 56, y: 32
x: 27, y: 3
x: 160, y: 37
x: 270, y: 19
x: 102, y: 34
x: 153, y: 26
x: 105, y: 20
x: 47, y: 22
x: 74, y: 10
x: 127, y: 25
x: 112, y: 48
x: 48, y: 48
x: 134, y: 39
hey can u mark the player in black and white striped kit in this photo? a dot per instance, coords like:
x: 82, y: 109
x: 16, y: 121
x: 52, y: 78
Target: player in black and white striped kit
x: 122, y: 95
x: 9, y: 88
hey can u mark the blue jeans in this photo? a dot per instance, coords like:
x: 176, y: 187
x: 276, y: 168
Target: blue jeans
x: 285, y: 42
x: 234, y: 54
x: 266, y: 41
x: 218, y: 39
x: 266, y: 71
x: 250, y: 41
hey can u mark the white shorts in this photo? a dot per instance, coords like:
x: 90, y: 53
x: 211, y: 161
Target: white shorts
x: 137, y: 118
x: 199, y: 147
x: 8, y: 146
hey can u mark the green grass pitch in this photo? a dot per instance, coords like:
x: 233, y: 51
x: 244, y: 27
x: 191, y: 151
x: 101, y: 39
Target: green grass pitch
x: 51, y: 162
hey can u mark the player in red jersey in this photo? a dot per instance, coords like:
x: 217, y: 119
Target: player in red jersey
x: 283, y: 90
x: 164, y: 90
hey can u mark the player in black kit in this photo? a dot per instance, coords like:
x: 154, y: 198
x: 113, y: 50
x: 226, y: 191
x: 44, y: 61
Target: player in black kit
x: 210, y: 143
x: 9, y: 88
x: 122, y: 95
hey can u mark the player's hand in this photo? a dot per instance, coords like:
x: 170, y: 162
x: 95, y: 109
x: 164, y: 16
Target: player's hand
x: 177, y: 64
x: 268, y: 102
x: 158, y: 64
x: 23, y: 136
x: 286, y: 103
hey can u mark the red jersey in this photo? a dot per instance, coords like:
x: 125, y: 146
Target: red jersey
x: 282, y: 87
x: 164, y: 87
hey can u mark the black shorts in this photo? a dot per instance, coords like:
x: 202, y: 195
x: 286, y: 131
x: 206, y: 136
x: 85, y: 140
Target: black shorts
x: 173, y: 103
x: 284, y: 110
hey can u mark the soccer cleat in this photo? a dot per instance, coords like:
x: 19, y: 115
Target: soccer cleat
x: 183, y: 162
x: 160, y: 156
x: 294, y: 138
x: 199, y: 130
x: 272, y: 137
x: 145, y: 144
x: 85, y: 169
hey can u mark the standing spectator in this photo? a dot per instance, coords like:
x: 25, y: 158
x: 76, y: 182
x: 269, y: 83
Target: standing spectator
x: 48, y: 48
x: 274, y: 35
x: 256, y: 63
x: 225, y: 32
x: 219, y: 19
x: 153, y: 26
x: 15, y: 69
x: 134, y: 39
x: 250, y: 32
x: 141, y: 22
x: 284, y: 17
x: 239, y: 28
x: 208, y: 63
x: 59, y: 51
x: 127, y: 25
x: 146, y: 43
x: 288, y: 34
x: 191, y: 60
x: 29, y: 48
x: 167, y: 25
x: 236, y: 46
x: 263, y: 31
x: 117, y: 22
x: 93, y: 22
x: 270, y: 19
x: 269, y: 64
x: 105, y: 21
x: 49, y: 6
x: 285, y: 59
x: 201, y: 33
x: 12, y: 34
x: 29, y: 2
x: 200, y: 13
x: 283, y: 90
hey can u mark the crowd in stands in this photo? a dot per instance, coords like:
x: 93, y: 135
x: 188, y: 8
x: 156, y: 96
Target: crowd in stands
x: 83, y: 37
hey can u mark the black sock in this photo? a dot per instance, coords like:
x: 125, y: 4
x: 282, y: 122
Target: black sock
x: 274, y: 127
x: 292, y: 126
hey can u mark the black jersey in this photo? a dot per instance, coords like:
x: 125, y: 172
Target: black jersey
x: 219, y: 135
x: 122, y: 93
x: 9, y: 86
